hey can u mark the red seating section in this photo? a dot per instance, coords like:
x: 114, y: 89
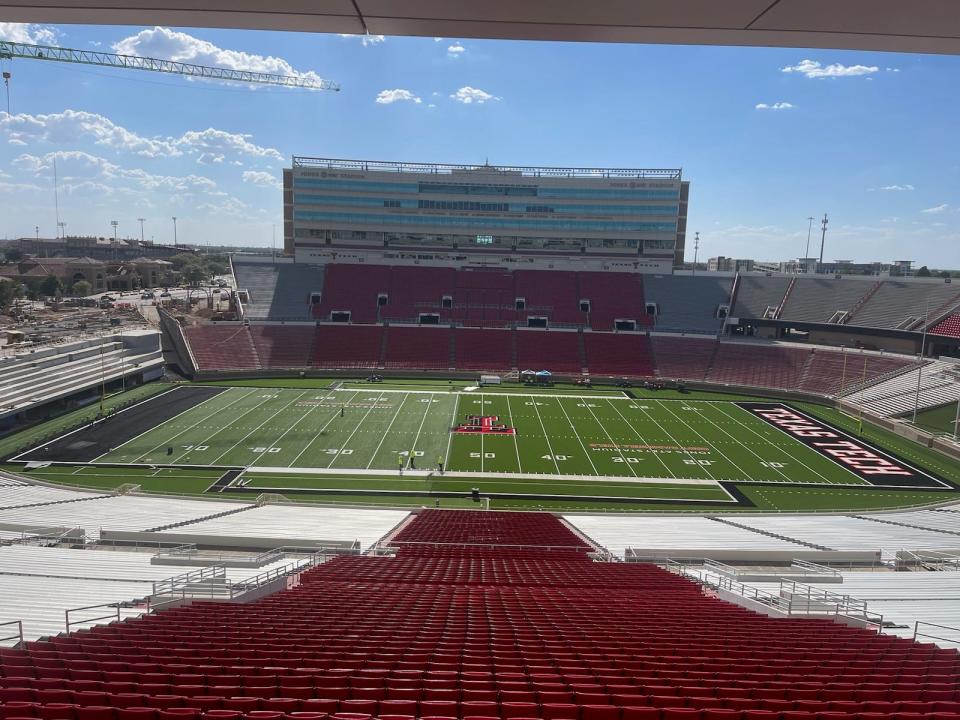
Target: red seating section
x: 831, y: 372
x: 413, y: 347
x: 347, y: 346
x: 618, y: 354
x: 949, y: 326
x: 614, y: 296
x: 685, y: 358
x: 222, y: 347
x: 758, y: 365
x: 484, y: 349
x: 481, y: 297
x: 554, y: 350
x: 486, y: 632
x: 283, y: 346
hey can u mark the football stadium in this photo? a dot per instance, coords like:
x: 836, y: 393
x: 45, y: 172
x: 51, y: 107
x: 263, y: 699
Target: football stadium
x: 479, y: 442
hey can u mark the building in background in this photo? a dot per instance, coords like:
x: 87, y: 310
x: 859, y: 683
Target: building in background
x: 97, y: 248
x: 404, y: 213
x: 725, y: 264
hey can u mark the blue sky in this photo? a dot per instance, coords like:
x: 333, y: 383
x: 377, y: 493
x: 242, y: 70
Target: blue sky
x: 870, y: 138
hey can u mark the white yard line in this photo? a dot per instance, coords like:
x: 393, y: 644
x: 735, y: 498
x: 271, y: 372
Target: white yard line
x: 320, y: 431
x: 284, y: 433
x: 200, y: 421
x: 745, y: 475
x: 577, y: 435
x: 387, y: 431
x: 609, y: 437
x: 453, y: 424
x: 417, y: 438
x: 679, y: 445
x: 783, y: 450
x: 546, y: 436
x: 243, y: 439
x: 516, y: 444
x: 643, y: 440
x: 354, y: 432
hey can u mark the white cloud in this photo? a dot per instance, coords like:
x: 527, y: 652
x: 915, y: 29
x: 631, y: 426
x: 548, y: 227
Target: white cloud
x: 71, y: 125
x: 897, y: 188
x: 161, y: 42
x: 262, y: 179
x: 209, y: 146
x: 775, y: 106
x: 456, y: 50
x: 365, y: 39
x: 814, y: 69
x: 936, y: 209
x: 388, y: 97
x: 472, y: 96
x: 29, y: 33
x: 438, y: 39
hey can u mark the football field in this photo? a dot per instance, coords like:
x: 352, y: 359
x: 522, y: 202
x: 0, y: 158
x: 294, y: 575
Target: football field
x: 556, y: 435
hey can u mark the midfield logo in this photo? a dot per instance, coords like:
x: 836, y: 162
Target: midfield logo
x: 487, y: 424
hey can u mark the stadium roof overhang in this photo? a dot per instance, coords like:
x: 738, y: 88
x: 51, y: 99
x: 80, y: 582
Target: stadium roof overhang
x: 931, y: 26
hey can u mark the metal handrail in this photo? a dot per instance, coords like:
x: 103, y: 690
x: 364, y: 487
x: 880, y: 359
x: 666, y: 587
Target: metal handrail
x: 19, y: 634
x: 815, y: 568
x: 206, y: 574
x: 112, y: 616
x: 917, y: 633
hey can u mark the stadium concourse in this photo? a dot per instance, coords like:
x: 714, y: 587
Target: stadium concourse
x: 479, y: 615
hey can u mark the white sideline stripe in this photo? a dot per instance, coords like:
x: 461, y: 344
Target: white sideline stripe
x: 155, y: 427
x: 264, y: 470
x: 84, y: 427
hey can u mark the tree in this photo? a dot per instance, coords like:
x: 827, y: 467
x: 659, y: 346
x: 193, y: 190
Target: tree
x: 51, y: 285
x: 216, y: 267
x: 182, y: 259
x: 81, y: 288
x: 195, y: 273
x: 7, y: 294
x: 13, y: 255
x: 945, y: 274
x: 923, y: 272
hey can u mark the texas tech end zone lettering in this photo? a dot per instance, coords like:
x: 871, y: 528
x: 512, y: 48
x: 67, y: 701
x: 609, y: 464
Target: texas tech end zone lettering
x: 863, y: 460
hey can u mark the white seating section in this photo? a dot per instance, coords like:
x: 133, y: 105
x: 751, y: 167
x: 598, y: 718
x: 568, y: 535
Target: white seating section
x: 670, y: 534
x: 277, y: 290
x: 38, y: 584
x: 757, y: 293
x: 301, y: 523
x: 843, y: 532
x: 817, y: 299
x: 687, y: 304
x: 123, y: 512
x: 939, y: 384
x: 12, y: 496
x: 896, y: 302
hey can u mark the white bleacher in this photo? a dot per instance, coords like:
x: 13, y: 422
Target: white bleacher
x: 843, y: 532
x: 756, y: 293
x: 38, y: 584
x: 939, y: 384
x: 122, y: 512
x: 12, y: 496
x: 277, y: 289
x: 931, y: 519
x: 897, y: 301
x: 687, y: 303
x: 301, y: 523
x: 689, y: 535
x: 815, y: 300
x: 29, y: 379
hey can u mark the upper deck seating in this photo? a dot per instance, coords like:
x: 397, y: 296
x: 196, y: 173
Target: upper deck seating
x: 816, y: 300
x: 757, y: 295
x: 354, y: 289
x: 905, y: 304
x: 277, y: 291
x: 550, y: 293
x: 415, y: 290
x: 688, y: 303
x: 613, y: 296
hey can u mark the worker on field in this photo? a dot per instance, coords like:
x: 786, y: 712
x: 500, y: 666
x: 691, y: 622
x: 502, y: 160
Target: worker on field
x: 413, y: 464
x: 440, y: 463
x: 400, y: 463
x: 341, y: 411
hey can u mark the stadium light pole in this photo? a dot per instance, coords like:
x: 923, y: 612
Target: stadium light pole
x: 823, y: 238
x: 923, y: 350
x: 174, y: 229
x: 806, y: 253
x: 141, y: 221
x: 696, y: 251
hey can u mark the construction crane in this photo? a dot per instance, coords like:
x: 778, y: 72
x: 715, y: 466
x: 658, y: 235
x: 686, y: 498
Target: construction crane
x: 11, y: 50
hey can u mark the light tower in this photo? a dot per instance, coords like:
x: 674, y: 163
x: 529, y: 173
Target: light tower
x: 63, y: 228
x: 823, y: 238
x: 115, y: 224
x: 806, y: 253
x: 696, y: 250
x: 141, y: 221
x: 174, y: 229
